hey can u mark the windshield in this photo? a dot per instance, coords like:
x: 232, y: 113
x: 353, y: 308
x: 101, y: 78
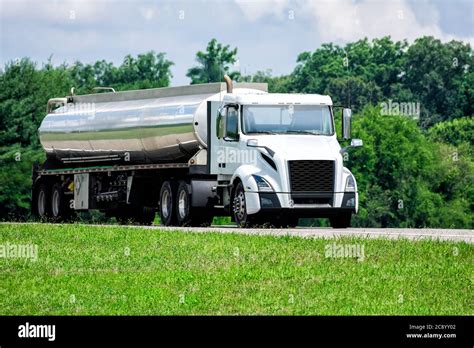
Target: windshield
x: 287, y: 119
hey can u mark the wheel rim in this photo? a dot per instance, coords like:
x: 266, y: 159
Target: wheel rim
x: 182, y: 204
x: 165, y: 203
x: 239, y: 206
x: 41, y: 203
x: 55, y: 205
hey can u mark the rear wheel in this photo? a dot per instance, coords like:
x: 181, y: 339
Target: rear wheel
x: 342, y: 220
x: 186, y: 214
x: 60, y: 209
x: 183, y: 204
x: 42, y: 202
x: 167, y: 206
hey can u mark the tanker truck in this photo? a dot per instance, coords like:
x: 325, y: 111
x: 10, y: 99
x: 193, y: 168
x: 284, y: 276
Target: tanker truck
x: 194, y: 152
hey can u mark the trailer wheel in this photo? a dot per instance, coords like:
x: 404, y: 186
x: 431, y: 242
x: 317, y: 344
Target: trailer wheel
x: 342, y: 220
x: 42, y: 202
x: 167, y: 209
x: 60, y: 210
x: 239, y: 208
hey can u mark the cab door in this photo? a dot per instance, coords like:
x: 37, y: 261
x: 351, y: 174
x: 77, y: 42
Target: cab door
x: 228, y: 154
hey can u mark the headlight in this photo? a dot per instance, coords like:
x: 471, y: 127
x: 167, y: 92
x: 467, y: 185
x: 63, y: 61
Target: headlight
x: 350, y: 184
x: 262, y: 184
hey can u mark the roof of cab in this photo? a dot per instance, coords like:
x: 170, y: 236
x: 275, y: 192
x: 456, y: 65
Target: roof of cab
x: 278, y: 98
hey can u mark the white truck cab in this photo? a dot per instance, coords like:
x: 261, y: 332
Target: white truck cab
x: 280, y: 156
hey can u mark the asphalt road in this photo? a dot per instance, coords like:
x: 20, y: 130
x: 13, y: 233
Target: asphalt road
x: 394, y: 233
x: 319, y: 232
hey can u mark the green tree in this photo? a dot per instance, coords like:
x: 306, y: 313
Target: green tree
x: 441, y: 77
x: 407, y: 180
x: 149, y: 70
x: 455, y: 132
x: 276, y: 84
x: 24, y: 92
x: 213, y: 64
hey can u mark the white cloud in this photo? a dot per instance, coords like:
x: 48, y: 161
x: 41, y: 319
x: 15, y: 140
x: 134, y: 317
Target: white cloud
x: 347, y: 20
x: 148, y: 12
x: 263, y: 32
x: 57, y: 11
x: 254, y: 10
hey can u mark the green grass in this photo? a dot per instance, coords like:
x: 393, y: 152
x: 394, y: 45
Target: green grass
x: 85, y: 270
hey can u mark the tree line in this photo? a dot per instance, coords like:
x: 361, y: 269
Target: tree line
x: 413, y: 106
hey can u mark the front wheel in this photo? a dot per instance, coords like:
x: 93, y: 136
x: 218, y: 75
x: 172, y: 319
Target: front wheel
x: 342, y: 220
x: 239, y: 208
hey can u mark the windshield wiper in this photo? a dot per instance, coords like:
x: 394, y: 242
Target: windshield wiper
x: 301, y: 132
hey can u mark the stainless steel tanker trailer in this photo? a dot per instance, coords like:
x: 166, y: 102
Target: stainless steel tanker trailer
x: 192, y: 153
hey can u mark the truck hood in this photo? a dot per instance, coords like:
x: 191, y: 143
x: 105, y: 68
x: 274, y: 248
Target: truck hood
x: 302, y: 147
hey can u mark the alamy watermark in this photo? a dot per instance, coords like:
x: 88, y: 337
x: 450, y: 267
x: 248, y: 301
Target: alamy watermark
x: 394, y: 108
x: 14, y: 251
x: 335, y: 250
x: 230, y: 155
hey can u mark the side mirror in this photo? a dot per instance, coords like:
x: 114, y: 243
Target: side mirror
x: 346, y: 123
x: 356, y: 143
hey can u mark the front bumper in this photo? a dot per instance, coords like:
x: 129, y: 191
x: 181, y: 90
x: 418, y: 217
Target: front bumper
x: 271, y: 202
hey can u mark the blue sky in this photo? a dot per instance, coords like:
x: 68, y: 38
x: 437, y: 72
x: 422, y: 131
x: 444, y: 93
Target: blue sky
x: 269, y: 34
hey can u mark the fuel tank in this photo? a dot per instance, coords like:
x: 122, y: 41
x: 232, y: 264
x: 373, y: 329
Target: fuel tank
x: 143, y: 126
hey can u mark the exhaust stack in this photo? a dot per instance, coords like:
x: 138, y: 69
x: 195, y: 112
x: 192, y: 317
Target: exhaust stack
x: 228, y: 83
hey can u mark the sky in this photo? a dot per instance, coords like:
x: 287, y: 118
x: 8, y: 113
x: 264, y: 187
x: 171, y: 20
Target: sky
x: 269, y: 34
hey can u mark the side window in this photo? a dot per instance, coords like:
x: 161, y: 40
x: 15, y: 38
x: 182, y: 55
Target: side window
x: 220, y: 130
x: 231, y: 126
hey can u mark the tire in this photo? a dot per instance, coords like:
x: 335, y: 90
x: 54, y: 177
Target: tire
x: 186, y: 215
x: 342, y: 220
x: 167, y: 206
x: 60, y: 210
x: 183, y: 204
x: 239, y: 208
x: 42, y: 206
